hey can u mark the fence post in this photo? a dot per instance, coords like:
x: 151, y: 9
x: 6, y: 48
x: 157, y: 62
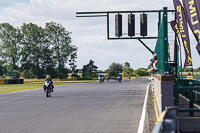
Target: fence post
x: 191, y: 102
x: 165, y: 51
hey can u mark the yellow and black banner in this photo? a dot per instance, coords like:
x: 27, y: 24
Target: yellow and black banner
x: 182, y: 24
x: 175, y: 28
x: 192, y: 10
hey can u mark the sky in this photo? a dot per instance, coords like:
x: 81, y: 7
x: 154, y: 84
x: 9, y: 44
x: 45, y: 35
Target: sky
x: 90, y: 34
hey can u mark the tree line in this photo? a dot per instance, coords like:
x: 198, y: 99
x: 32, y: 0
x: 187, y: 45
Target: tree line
x: 126, y: 71
x: 32, y: 51
x: 185, y: 69
x: 90, y: 70
x: 35, y: 51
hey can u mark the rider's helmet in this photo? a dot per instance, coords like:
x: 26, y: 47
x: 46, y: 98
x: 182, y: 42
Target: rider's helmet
x: 48, y: 77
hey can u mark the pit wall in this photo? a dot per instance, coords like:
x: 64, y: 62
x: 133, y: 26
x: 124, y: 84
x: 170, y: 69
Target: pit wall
x: 163, y: 92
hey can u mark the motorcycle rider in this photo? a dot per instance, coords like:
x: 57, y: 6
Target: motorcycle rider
x: 108, y: 77
x: 100, y: 78
x: 48, y: 78
x: 119, y: 76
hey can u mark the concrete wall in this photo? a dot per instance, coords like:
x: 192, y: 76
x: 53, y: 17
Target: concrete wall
x: 163, y: 92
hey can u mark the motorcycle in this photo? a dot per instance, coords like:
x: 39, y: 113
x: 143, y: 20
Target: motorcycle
x: 100, y: 79
x: 119, y: 78
x: 48, y: 88
x: 108, y: 78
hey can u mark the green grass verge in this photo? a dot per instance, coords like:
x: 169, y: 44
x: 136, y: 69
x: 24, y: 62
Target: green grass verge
x: 34, y: 85
x: 185, y: 73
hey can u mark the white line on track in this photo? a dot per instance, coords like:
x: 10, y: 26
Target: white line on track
x: 141, y: 124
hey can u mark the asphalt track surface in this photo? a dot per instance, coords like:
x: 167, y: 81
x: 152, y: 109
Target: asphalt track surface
x: 109, y: 107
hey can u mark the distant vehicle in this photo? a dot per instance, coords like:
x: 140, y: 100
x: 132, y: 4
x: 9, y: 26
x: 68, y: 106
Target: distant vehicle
x: 108, y: 77
x: 48, y: 88
x: 100, y: 78
x: 119, y: 78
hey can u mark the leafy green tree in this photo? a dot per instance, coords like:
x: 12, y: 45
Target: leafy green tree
x: 48, y: 66
x: 33, y: 48
x: 127, y: 71
x: 126, y: 65
x: 8, y: 70
x: 10, y: 49
x: 89, y: 70
x: 114, y: 69
x: 40, y: 50
x: 60, y: 41
x: 142, y: 72
x: 16, y: 74
x: 72, y: 64
x: 1, y: 68
x: 189, y: 73
x: 28, y: 74
x: 197, y: 69
x: 186, y: 69
x: 135, y: 74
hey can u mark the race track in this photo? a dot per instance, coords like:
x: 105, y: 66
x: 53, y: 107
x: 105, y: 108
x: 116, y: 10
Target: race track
x: 109, y: 107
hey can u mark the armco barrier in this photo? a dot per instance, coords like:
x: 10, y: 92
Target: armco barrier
x: 14, y: 81
x: 133, y: 78
x: 125, y: 78
x: 167, y: 122
x: 20, y: 81
x: 2, y: 81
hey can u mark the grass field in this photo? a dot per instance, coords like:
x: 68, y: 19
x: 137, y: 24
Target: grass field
x: 185, y: 73
x: 34, y: 85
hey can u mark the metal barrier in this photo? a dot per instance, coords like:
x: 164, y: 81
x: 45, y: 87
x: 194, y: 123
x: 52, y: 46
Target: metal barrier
x: 189, y: 88
x: 197, y: 77
x: 167, y: 121
x: 14, y: 81
x: 187, y: 82
x: 138, y: 78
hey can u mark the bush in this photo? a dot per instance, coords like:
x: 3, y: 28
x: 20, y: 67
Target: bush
x: 135, y: 74
x: 28, y: 74
x: 189, y: 73
x: 75, y: 75
x: 127, y: 72
x: 142, y: 72
x: 16, y: 74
